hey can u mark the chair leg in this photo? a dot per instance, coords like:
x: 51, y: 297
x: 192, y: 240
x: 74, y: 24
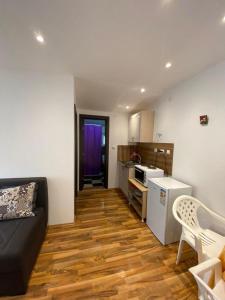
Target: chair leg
x: 180, y: 249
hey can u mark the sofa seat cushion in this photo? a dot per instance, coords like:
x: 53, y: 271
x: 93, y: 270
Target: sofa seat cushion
x: 17, y: 238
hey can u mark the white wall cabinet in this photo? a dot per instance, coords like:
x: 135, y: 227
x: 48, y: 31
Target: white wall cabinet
x: 134, y: 128
x: 141, y: 127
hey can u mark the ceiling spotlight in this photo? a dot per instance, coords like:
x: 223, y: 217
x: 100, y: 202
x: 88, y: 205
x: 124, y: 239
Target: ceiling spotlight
x: 40, y: 38
x: 127, y: 107
x: 223, y: 19
x: 143, y: 90
x: 168, y: 65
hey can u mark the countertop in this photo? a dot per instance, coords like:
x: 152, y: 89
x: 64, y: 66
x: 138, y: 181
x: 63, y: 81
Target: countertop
x: 128, y: 164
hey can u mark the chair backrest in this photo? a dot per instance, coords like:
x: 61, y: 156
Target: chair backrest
x: 185, y: 211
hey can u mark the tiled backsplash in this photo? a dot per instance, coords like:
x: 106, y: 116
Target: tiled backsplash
x: 157, y: 154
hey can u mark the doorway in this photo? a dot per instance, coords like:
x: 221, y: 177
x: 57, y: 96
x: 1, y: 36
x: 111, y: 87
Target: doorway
x: 94, y: 151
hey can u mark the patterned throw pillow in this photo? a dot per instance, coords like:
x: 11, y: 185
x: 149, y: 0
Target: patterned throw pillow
x: 17, y: 202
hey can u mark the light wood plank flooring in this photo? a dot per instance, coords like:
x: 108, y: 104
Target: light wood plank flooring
x: 108, y: 254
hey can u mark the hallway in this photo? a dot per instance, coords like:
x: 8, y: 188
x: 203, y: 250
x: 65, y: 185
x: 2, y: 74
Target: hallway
x: 108, y: 254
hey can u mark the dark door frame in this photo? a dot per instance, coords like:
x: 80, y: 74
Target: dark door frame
x: 82, y: 117
x: 75, y: 153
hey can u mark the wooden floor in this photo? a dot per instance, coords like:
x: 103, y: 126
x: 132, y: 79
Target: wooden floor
x: 108, y: 254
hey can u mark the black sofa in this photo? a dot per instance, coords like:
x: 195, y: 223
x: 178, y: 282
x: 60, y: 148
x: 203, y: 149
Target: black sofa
x: 21, y: 240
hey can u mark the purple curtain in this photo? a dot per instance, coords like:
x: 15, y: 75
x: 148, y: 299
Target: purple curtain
x: 92, y: 149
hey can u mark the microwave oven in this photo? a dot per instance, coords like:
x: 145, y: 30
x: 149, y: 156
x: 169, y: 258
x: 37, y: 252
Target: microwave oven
x: 143, y: 173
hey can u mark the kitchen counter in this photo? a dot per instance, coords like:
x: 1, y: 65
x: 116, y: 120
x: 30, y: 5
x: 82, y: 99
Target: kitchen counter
x: 128, y: 164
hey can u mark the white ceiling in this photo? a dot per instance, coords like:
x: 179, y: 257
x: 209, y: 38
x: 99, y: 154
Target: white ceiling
x: 114, y: 47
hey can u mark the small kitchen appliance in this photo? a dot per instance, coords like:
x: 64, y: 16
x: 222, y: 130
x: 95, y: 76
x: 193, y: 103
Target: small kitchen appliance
x: 143, y: 173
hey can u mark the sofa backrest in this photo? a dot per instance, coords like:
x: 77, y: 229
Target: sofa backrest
x: 42, y: 192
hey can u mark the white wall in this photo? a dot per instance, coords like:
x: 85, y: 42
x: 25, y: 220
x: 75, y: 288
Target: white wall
x: 37, y: 134
x: 199, y: 150
x: 118, y: 135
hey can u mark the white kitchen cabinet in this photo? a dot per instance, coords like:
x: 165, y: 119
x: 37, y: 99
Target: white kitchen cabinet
x: 134, y: 128
x: 124, y: 174
x: 141, y: 127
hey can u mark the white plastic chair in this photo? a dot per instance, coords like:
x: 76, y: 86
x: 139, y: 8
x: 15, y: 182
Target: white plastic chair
x: 206, y: 242
x: 202, y: 272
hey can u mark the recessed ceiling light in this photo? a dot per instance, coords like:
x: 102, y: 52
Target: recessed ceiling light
x: 40, y: 38
x: 143, y: 90
x: 223, y: 20
x: 168, y: 65
x: 127, y: 107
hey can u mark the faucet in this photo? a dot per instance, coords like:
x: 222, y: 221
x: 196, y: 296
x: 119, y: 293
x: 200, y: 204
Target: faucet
x: 137, y: 156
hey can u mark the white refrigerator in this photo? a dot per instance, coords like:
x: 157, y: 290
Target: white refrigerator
x: 161, y: 194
